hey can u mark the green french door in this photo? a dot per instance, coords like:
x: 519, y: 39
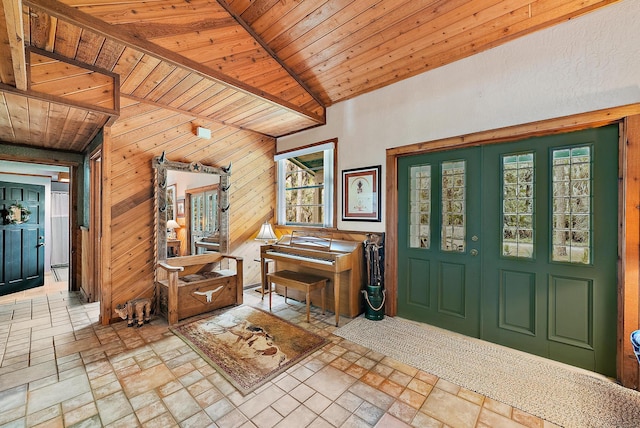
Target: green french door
x: 537, y: 265
x: 439, y: 263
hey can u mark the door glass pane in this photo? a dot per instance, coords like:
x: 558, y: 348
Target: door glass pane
x: 420, y: 206
x: 518, y: 196
x: 571, y: 222
x: 453, y: 206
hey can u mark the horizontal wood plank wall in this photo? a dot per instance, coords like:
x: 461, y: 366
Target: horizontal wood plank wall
x: 144, y: 131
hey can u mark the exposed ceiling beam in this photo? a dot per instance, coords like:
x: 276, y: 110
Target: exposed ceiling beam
x: 137, y: 41
x: 15, y: 30
x: 56, y: 100
x: 270, y: 51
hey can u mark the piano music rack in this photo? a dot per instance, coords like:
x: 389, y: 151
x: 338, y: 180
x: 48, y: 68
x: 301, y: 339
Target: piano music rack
x: 312, y: 240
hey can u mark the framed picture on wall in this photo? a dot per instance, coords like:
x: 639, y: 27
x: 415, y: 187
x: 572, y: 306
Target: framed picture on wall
x: 180, y: 208
x: 361, y: 197
x: 171, y: 202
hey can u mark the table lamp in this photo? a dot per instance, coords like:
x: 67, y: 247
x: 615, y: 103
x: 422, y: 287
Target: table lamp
x: 266, y: 233
x: 172, y: 225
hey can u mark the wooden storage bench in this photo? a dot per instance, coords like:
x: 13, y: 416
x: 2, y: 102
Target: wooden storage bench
x: 190, y: 285
x: 304, y: 282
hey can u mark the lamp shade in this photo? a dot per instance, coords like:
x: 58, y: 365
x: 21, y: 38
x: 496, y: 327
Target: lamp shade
x: 172, y: 224
x: 266, y: 233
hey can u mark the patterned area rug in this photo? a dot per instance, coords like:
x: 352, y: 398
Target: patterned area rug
x: 247, y: 345
x: 559, y: 393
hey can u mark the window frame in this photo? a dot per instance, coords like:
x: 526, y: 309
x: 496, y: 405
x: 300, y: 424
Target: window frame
x: 329, y: 147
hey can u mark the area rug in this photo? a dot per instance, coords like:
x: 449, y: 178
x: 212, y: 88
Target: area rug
x: 564, y: 395
x: 247, y: 345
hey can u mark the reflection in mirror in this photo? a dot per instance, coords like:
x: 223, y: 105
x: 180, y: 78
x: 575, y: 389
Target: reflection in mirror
x: 192, y: 202
x: 201, y: 219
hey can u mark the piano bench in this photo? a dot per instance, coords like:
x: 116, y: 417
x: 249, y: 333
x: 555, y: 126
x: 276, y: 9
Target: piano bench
x: 302, y: 281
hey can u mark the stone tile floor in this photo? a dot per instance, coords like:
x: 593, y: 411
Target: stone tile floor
x: 59, y: 367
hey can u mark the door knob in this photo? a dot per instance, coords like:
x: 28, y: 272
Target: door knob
x: 473, y: 252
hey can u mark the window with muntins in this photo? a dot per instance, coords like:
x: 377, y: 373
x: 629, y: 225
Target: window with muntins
x: 572, y: 199
x: 454, y: 220
x: 420, y: 206
x: 306, y: 186
x: 518, y: 205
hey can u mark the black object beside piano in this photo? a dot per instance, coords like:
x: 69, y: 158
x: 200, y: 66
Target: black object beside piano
x: 340, y: 261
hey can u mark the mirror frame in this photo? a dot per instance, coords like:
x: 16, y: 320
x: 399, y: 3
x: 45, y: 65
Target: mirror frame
x: 161, y: 164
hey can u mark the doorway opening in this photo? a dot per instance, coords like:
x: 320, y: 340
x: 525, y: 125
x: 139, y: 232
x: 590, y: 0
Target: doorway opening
x: 42, y: 192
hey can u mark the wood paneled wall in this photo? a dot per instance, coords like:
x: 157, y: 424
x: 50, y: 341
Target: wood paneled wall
x: 144, y: 131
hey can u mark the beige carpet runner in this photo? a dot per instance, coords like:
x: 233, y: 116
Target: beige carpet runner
x: 559, y: 393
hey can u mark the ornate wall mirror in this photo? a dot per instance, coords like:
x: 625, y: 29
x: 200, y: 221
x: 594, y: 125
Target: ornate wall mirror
x: 191, y: 208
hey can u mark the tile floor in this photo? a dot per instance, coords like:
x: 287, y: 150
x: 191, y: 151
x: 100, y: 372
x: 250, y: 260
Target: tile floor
x: 59, y: 367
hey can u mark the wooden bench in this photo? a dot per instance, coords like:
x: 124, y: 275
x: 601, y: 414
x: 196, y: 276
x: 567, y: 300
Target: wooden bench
x: 192, y: 285
x: 304, y: 282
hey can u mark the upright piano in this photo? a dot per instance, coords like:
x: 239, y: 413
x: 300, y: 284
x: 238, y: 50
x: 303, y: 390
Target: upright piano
x: 340, y: 261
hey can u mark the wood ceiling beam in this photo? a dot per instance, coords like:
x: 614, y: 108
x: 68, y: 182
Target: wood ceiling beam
x: 137, y: 41
x: 270, y: 51
x: 56, y: 100
x: 15, y: 31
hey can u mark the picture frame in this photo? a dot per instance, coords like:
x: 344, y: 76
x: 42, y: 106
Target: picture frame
x: 171, y: 202
x: 361, y: 196
x: 180, y: 208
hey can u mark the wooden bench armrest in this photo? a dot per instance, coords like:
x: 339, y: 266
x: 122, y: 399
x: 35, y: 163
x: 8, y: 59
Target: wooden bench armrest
x: 170, y: 268
x: 239, y: 275
x: 231, y: 256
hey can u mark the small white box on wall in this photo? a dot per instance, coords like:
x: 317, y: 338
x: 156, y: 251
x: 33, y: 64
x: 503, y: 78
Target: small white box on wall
x: 203, y: 133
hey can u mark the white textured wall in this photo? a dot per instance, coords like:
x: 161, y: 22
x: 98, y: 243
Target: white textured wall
x: 586, y: 64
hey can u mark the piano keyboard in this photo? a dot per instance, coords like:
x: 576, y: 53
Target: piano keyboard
x: 302, y: 258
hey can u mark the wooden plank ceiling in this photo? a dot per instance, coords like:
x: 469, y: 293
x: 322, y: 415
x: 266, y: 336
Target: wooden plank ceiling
x: 269, y: 66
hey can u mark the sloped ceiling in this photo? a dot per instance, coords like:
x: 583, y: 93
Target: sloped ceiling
x: 269, y: 66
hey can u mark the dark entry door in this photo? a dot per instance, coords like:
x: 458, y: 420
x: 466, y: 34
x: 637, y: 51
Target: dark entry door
x: 22, y: 237
x: 547, y: 246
